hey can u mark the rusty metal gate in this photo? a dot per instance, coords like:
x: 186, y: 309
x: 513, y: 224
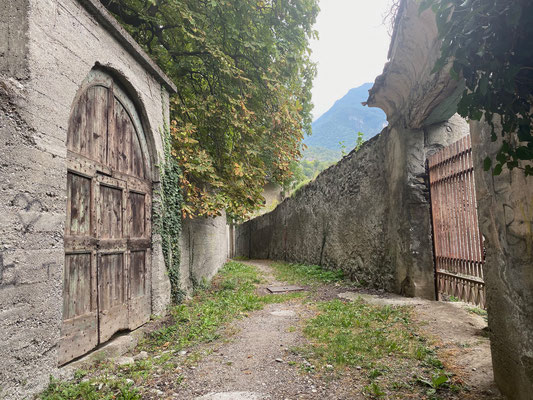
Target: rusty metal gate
x: 457, y: 240
x: 107, y: 284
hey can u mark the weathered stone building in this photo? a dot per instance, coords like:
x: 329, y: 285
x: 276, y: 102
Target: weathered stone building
x: 83, y: 110
x: 370, y: 213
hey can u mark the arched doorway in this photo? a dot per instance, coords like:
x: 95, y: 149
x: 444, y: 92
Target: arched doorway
x: 106, y: 285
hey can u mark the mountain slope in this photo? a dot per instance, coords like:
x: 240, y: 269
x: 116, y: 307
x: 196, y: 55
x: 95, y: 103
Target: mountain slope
x: 342, y: 122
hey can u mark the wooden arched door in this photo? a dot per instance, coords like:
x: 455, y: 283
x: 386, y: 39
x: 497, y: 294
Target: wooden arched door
x: 106, y: 284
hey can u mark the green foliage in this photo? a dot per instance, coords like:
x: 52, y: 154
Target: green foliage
x: 374, y: 390
x: 489, y: 46
x: 306, y: 274
x: 312, y: 153
x: 232, y: 295
x: 343, y: 148
x: 477, y: 311
x: 244, y: 77
x: 167, y: 217
x: 360, y: 140
x: 454, y: 299
x: 437, y: 380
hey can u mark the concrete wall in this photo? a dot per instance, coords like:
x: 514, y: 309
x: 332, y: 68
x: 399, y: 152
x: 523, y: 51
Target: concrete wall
x: 52, y: 47
x: 505, y: 205
x: 47, y: 49
x: 204, y: 250
x: 367, y: 215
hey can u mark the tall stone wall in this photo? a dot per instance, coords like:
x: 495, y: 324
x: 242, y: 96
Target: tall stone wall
x: 367, y: 215
x: 320, y: 223
x: 505, y: 206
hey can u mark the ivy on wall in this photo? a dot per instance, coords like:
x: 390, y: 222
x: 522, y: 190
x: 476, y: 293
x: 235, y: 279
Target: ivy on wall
x: 167, y: 216
x: 489, y: 45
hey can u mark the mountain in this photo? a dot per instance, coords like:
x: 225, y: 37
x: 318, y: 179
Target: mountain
x: 342, y: 122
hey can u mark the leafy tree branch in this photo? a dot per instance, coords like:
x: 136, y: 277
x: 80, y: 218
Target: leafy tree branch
x: 244, y: 77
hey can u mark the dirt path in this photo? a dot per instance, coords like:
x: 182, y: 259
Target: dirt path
x: 257, y: 362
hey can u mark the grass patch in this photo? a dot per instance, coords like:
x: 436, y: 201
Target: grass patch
x: 477, y: 311
x: 92, y: 389
x: 357, y: 333
x: 306, y: 274
x: 378, y: 342
x: 232, y: 295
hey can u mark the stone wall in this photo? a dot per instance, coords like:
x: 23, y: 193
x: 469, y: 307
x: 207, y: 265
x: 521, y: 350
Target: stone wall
x: 505, y: 205
x: 47, y: 49
x: 367, y: 215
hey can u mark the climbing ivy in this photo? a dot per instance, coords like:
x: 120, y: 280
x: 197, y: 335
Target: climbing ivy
x: 167, y: 216
x: 488, y: 43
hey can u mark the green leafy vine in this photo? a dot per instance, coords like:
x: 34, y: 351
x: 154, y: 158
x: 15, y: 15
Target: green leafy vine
x: 489, y: 46
x: 167, y: 216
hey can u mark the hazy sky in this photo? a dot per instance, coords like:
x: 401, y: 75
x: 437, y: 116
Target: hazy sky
x: 352, y: 48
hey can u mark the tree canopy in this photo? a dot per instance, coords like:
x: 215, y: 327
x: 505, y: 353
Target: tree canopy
x: 489, y: 43
x: 243, y: 77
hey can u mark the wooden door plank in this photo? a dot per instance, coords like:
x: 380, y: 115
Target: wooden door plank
x: 110, y: 218
x: 113, y: 307
x: 79, y: 331
x: 121, y: 145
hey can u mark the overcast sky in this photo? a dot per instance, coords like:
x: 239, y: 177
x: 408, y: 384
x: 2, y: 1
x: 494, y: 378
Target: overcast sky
x: 352, y: 48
